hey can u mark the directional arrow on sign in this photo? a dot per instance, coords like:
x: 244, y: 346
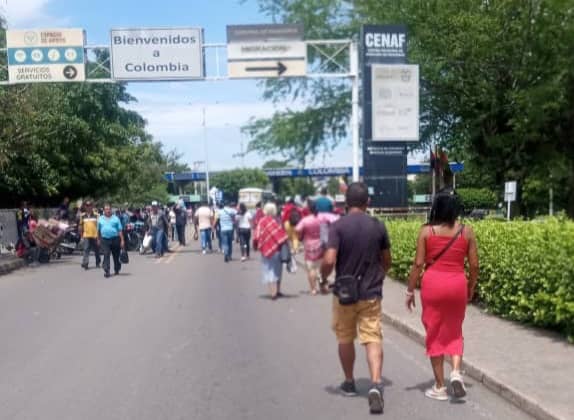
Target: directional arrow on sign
x: 279, y: 68
x: 70, y: 72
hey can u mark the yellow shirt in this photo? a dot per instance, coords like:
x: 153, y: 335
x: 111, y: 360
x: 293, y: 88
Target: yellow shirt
x: 89, y: 225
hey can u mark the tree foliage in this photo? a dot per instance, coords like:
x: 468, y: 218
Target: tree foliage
x: 76, y: 140
x: 497, y: 84
x: 230, y: 182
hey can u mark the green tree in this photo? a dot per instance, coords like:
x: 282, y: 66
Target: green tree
x: 497, y: 83
x: 230, y: 182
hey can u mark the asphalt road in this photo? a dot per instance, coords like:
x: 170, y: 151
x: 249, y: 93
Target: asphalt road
x: 189, y: 337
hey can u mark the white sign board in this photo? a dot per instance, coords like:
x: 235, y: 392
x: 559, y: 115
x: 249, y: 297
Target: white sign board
x: 267, y: 59
x: 510, y: 191
x: 266, y: 51
x: 395, y: 96
x: 46, y: 55
x: 157, y: 54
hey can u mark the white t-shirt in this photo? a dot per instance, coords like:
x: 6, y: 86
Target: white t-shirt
x: 204, y: 215
x: 244, y: 221
x: 172, y: 217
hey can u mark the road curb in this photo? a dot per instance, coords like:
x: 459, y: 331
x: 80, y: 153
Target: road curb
x: 523, y: 402
x: 479, y: 374
x: 12, y: 265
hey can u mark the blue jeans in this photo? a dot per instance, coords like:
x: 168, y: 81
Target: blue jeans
x: 218, y: 234
x: 160, y: 239
x: 206, y: 239
x: 227, y: 242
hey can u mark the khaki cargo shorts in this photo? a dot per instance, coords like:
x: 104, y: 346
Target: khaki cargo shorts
x: 364, y: 316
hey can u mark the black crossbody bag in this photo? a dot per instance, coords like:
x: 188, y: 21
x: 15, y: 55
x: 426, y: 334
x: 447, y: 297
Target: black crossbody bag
x: 446, y: 248
x: 347, y: 287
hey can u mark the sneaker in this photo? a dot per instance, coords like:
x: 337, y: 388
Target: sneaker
x: 437, y: 393
x: 376, y: 401
x: 98, y: 265
x: 457, y: 384
x: 348, y: 388
x: 243, y: 259
x: 85, y: 266
x: 203, y: 252
x: 106, y: 274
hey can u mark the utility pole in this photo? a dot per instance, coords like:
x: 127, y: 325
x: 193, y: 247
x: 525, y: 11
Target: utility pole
x: 206, y: 154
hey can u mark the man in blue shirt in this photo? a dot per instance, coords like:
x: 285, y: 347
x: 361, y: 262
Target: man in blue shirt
x: 110, y: 239
x: 227, y: 223
x: 323, y: 203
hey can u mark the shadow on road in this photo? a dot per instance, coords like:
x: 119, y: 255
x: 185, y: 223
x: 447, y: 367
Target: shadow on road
x: 285, y: 296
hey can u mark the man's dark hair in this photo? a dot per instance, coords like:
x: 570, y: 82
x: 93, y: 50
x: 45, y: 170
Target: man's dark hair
x: 323, y: 191
x: 312, y: 207
x: 258, y: 205
x: 445, y: 208
x: 357, y: 195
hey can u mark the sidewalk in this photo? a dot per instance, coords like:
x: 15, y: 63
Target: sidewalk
x: 530, y: 367
x: 9, y: 263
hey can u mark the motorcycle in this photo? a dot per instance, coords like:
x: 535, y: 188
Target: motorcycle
x: 70, y: 241
x: 131, y: 237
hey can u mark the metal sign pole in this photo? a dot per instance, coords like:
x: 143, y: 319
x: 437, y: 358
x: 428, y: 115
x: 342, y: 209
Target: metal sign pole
x: 206, y: 157
x: 354, y: 51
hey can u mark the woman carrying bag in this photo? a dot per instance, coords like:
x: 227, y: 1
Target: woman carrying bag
x: 270, y: 238
x: 442, y: 247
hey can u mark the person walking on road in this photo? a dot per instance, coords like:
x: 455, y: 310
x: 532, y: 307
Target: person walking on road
x: 217, y: 227
x: 180, y: 223
x: 442, y: 247
x: 269, y: 237
x: 324, y: 203
x: 244, y: 225
x: 158, y: 225
x: 290, y: 217
x: 359, y: 247
x: 88, y: 230
x: 22, y: 220
x: 227, y: 223
x: 309, y: 230
x: 204, y: 220
x: 111, y: 239
x: 172, y: 220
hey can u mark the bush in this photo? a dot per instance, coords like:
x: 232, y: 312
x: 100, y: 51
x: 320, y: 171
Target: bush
x: 477, y: 198
x: 526, y: 268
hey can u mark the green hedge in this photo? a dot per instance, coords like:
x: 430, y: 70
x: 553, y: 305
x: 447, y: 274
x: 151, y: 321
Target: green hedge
x: 477, y: 198
x: 526, y: 268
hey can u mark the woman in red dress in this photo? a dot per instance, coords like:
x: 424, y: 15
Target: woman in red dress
x: 442, y: 247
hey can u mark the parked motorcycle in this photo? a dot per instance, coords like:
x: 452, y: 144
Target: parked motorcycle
x: 70, y: 241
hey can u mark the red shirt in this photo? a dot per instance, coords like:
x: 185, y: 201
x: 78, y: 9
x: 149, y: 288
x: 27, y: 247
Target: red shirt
x: 257, y: 218
x: 270, y: 236
x: 287, y: 212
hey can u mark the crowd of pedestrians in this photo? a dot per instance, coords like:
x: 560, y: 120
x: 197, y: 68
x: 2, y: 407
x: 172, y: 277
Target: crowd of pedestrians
x: 347, y: 253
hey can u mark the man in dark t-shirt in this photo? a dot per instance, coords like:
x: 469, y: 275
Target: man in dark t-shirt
x: 359, y: 246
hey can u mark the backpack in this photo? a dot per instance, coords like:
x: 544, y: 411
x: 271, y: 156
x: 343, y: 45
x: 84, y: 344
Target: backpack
x: 294, y: 217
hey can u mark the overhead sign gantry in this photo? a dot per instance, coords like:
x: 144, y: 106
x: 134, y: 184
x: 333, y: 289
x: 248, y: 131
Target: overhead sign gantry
x: 390, y: 86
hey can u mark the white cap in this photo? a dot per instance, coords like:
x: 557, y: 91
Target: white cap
x: 154, y: 203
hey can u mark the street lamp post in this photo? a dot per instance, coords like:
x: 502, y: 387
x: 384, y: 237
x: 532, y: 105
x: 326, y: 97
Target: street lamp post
x: 206, y: 155
x: 241, y: 154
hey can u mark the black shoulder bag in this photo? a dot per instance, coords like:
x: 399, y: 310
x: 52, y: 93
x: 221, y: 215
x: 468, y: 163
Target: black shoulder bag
x: 446, y: 248
x: 347, y: 286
